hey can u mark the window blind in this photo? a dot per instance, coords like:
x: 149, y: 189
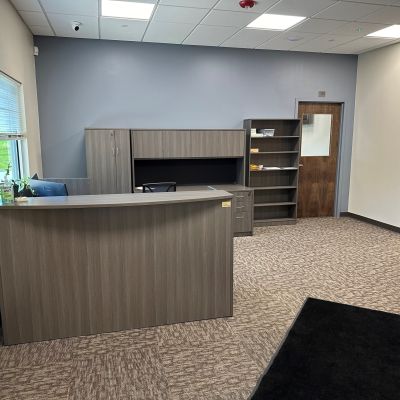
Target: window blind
x: 12, y: 118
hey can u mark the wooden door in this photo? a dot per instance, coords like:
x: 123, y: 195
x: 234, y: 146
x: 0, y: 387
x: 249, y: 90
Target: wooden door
x: 123, y: 161
x: 100, y: 160
x: 318, y: 159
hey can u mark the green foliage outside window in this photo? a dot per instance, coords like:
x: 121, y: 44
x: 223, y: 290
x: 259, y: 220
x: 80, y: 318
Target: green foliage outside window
x: 5, y: 157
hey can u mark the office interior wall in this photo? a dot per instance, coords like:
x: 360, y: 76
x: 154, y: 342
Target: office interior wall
x: 17, y: 61
x: 375, y: 180
x: 95, y: 83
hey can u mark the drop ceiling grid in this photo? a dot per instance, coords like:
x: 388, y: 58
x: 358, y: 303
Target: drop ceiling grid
x: 330, y: 25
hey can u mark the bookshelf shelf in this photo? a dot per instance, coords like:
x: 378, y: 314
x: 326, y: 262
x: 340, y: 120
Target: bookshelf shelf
x: 277, y: 170
x: 275, y: 137
x: 275, y: 190
x: 274, y: 152
x: 288, y: 203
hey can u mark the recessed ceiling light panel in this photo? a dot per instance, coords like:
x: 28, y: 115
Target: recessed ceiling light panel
x: 391, y: 32
x: 126, y: 9
x: 275, y: 22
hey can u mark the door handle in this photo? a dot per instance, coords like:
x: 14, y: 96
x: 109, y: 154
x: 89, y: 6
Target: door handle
x: 300, y: 165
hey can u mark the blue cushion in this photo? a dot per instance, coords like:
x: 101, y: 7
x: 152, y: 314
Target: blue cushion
x: 46, y: 188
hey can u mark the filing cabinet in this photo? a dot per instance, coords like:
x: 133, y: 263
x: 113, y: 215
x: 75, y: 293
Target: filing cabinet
x: 242, y: 213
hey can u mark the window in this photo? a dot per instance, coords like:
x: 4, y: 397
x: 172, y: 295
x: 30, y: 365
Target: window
x: 12, y: 126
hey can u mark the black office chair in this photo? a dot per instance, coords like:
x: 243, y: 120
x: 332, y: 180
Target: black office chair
x: 159, y: 187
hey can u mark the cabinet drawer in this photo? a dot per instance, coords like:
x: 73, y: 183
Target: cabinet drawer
x: 244, y: 199
x: 242, y: 222
x: 243, y: 211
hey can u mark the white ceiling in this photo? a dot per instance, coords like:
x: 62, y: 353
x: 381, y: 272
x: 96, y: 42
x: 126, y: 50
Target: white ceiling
x: 331, y: 26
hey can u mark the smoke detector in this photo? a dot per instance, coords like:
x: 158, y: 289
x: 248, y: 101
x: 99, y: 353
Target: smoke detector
x: 247, y: 3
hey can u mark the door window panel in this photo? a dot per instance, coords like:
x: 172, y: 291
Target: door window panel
x: 316, y: 137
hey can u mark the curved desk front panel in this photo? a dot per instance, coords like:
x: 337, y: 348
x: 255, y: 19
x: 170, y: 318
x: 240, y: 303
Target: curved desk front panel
x: 92, y: 264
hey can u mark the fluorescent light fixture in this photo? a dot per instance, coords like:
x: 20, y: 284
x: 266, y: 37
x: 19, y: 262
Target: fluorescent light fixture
x: 391, y: 32
x: 126, y: 9
x: 275, y: 22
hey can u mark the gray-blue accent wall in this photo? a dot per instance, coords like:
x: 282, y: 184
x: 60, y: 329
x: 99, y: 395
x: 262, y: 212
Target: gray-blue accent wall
x: 110, y: 84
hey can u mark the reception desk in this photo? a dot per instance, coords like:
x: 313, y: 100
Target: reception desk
x: 82, y: 265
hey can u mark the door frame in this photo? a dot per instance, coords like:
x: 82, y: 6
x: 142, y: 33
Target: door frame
x: 338, y: 188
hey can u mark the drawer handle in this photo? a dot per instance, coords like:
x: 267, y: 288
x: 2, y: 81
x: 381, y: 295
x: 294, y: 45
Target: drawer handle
x: 239, y: 217
x: 240, y: 207
x: 240, y: 197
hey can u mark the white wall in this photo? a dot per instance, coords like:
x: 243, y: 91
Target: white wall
x: 17, y: 61
x: 375, y: 171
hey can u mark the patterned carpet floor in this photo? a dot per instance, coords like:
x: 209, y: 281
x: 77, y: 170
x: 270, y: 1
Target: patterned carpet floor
x: 341, y: 260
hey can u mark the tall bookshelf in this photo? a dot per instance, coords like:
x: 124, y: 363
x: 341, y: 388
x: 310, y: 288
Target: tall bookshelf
x: 275, y: 190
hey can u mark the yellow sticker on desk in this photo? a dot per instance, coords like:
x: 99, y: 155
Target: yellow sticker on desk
x: 226, y: 204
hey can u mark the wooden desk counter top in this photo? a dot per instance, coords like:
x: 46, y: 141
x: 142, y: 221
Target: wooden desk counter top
x: 118, y: 200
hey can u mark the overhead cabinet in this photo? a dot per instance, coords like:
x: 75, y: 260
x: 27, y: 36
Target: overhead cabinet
x: 108, y: 159
x: 164, y: 144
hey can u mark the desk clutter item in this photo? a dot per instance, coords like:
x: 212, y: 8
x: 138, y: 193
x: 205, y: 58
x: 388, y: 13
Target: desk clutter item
x: 273, y: 169
x: 267, y: 132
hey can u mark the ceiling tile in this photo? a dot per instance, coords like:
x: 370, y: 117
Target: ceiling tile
x: 348, y: 11
x: 323, y: 43
x: 361, y: 45
x: 303, y: 8
x: 385, y: 15
x: 357, y: 29
x: 42, y: 30
x: 34, y: 18
x: 167, y: 32
x: 77, y: 7
x: 288, y: 40
x: 205, y: 35
x: 233, y: 5
x: 249, y: 38
x: 315, y: 25
x: 122, y: 29
x: 62, y: 26
x: 190, y: 3
x: 184, y: 15
x: 27, y: 5
x: 229, y: 18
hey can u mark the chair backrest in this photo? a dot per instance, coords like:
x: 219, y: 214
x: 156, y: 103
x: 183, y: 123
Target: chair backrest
x: 159, y: 187
x: 46, y: 188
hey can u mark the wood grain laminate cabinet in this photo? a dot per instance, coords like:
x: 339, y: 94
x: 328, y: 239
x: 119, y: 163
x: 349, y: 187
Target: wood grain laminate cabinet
x: 242, y: 208
x: 177, y: 144
x: 147, y: 144
x: 108, y: 160
x: 242, y: 215
x: 95, y: 264
x: 222, y: 143
x: 168, y: 144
